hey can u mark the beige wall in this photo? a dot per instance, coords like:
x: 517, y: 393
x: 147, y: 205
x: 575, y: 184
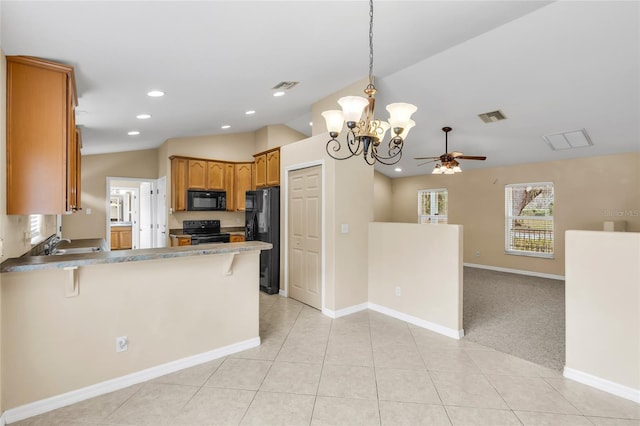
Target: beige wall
x: 603, y: 305
x: 382, y: 207
x: 169, y: 309
x: 586, y: 190
x: 95, y: 170
x: 331, y: 102
x: 425, y: 261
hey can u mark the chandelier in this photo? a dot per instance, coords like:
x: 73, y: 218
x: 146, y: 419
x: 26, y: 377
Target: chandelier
x: 365, y: 133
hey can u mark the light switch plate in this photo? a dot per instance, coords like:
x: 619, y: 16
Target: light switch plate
x: 345, y: 228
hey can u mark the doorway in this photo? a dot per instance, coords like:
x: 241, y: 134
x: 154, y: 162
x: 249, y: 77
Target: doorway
x: 137, y: 206
x: 305, y: 235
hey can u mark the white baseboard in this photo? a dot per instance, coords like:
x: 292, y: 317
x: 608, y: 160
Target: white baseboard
x: 604, y: 385
x: 516, y: 271
x: 2, y: 423
x: 449, y: 332
x: 345, y: 311
x: 283, y: 293
x: 62, y: 400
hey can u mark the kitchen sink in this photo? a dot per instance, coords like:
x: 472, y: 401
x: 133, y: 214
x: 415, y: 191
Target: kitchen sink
x: 77, y: 250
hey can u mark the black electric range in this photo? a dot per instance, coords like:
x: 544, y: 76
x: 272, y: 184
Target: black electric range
x: 204, y: 231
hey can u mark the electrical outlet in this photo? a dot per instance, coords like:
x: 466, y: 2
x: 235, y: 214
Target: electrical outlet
x: 398, y: 291
x: 122, y: 343
x: 477, y: 253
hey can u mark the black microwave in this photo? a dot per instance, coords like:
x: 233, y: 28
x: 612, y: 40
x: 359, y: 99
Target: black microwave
x: 206, y: 200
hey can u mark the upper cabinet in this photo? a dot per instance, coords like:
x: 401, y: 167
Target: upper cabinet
x: 242, y: 183
x: 179, y: 172
x: 267, y: 168
x: 43, y: 144
x: 229, y: 185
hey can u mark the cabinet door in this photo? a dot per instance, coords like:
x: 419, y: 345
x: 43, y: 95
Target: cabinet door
x: 215, y: 175
x: 243, y: 183
x: 126, y: 238
x: 273, y: 168
x: 184, y: 241
x: 261, y: 170
x: 236, y: 238
x: 179, y: 184
x: 229, y: 187
x: 38, y: 113
x: 115, y: 240
x: 197, y: 177
x: 78, y: 168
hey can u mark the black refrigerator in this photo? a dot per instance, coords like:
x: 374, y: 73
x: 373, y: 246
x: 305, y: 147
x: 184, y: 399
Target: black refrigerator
x: 262, y: 223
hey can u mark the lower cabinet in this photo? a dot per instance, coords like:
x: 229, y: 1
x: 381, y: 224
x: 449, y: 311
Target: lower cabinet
x: 121, y: 238
x: 180, y: 241
x: 236, y: 238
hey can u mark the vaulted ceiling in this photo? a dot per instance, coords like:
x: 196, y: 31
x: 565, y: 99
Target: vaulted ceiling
x: 549, y: 66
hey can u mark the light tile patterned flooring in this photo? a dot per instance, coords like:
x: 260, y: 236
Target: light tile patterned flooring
x: 363, y: 369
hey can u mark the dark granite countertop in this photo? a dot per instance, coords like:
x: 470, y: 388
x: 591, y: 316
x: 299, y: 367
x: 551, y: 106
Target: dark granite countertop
x: 34, y: 263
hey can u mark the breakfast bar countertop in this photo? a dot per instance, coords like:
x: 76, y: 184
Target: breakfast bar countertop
x: 33, y: 263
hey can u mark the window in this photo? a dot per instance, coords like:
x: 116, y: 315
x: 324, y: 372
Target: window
x: 529, y: 219
x: 432, y: 206
x: 36, y: 223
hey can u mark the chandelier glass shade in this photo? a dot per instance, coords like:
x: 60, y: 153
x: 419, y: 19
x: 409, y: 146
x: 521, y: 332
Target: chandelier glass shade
x: 364, y: 132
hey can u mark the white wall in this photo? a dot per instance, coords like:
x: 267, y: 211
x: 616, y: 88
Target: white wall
x: 603, y: 310
x: 425, y: 262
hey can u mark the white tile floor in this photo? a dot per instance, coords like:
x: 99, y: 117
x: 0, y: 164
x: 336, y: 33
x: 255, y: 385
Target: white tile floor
x: 363, y: 369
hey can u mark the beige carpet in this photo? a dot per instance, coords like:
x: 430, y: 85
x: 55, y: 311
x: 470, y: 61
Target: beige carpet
x: 516, y: 314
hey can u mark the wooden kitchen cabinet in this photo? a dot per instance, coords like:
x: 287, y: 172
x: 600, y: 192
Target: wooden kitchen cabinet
x: 261, y: 170
x: 242, y: 183
x: 229, y: 185
x: 273, y: 168
x: 267, y: 168
x: 197, y: 176
x: 177, y: 241
x: 236, y: 238
x: 179, y: 176
x: 43, y: 160
x: 121, y: 238
x: 215, y: 175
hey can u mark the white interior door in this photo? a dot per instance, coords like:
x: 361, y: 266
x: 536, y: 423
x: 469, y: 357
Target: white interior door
x: 305, y: 235
x: 161, y: 212
x: 146, y: 218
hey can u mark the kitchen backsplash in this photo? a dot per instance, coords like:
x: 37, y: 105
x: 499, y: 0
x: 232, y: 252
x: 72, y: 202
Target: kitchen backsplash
x: 227, y: 219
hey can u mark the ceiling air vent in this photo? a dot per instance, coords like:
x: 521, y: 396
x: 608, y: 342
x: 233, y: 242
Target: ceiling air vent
x: 568, y: 140
x: 285, y: 85
x: 492, y: 117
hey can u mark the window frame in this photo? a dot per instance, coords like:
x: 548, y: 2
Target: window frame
x: 36, y: 226
x: 430, y: 217
x: 509, y: 219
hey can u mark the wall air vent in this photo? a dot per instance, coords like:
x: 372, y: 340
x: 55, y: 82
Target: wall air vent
x: 492, y: 117
x: 285, y: 85
x: 568, y: 140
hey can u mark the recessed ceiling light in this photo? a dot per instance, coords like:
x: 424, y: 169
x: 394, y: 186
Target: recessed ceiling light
x: 277, y: 94
x: 155, y: 93
x: 398, y: 169
x: 143, y: 116
x: 226, y: 126
x: 133, y: 133
x: 250, y: 112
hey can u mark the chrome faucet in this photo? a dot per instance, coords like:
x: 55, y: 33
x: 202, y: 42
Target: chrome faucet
x: 52, y: 245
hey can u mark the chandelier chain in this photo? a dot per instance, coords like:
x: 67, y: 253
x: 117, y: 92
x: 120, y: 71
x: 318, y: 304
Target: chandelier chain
x: 371, y: 42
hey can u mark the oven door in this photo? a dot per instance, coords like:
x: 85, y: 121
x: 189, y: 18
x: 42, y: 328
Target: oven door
x: 210, y: 239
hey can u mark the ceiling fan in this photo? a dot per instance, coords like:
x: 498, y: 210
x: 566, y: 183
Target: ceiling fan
x: 448, y: 161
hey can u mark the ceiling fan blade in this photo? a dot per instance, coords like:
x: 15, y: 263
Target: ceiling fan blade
x: 472, y: 157
x: 426, y: 158
x: 456, y: 154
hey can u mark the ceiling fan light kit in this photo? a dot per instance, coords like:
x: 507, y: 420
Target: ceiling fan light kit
x: 448, y: 161
x: 365, y: 133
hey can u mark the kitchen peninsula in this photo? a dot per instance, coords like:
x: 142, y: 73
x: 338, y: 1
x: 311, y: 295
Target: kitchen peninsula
x: 177, y: 307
